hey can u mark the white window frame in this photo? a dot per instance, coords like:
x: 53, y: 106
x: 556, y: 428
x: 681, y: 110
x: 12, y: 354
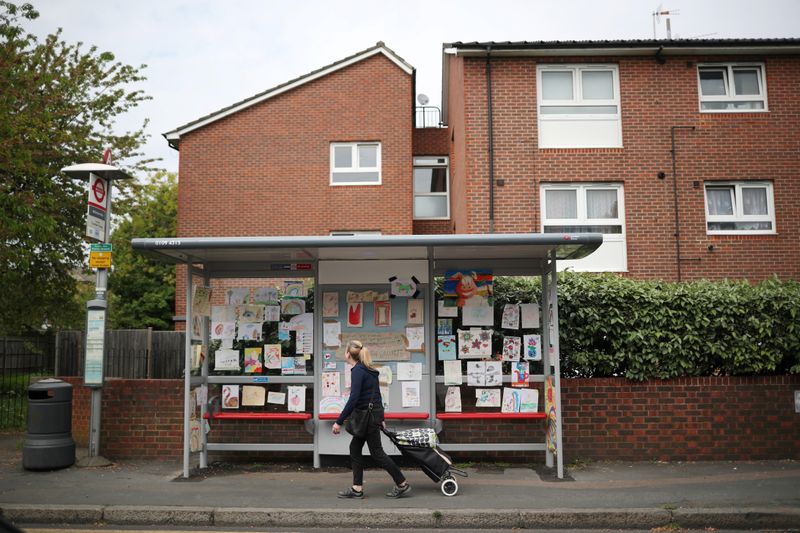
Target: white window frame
x: 577, y: 99
x: 355, y: 168
x: 738, y: 208
x: 430, y: 162
x: 730, y: 88
x: 582, y: 219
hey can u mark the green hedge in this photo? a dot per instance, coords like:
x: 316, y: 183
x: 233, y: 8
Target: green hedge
x: 615, y: 326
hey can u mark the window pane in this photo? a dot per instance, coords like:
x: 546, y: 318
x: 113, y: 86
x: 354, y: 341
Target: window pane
x: 367, y: 156
x: 430, y: 180
x: 579, y: 109
x: 720, y: 200
x: 739, y: 226
x: 608, y: 230
x: 561, y: 204
x: 342, y: 157
x: 598, y: 85
x: 355, y: 177
x: 601, y: 204
x: 745, y: 81
x: 430, y: 206
x: 754, y: 201
x: 712, y: 82
x: 556, y: 85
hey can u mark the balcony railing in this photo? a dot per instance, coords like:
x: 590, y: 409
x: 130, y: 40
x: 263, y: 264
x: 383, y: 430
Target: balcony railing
x: 428, y: 116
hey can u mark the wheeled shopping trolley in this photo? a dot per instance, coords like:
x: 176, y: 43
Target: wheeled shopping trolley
x: 421, y: 446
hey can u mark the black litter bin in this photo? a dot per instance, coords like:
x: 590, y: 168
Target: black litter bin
x: 49, y: 442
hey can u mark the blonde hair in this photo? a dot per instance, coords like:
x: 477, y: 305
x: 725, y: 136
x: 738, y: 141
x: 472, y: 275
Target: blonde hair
x: 360, y: 353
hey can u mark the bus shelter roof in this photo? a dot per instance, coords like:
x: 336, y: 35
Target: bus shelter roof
x: 252, y: 250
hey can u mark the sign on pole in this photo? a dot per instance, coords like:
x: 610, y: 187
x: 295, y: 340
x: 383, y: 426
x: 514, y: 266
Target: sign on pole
x: 98, y: 208
x: 100, y: 256
x: 95, y: 344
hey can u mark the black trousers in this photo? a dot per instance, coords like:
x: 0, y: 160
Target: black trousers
x: 373, y: 440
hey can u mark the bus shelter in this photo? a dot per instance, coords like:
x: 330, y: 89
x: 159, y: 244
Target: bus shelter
x: 382, y: 289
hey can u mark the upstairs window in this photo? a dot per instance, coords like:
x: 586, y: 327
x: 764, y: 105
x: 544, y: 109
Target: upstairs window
x: 355, y: 164
x: 579, y: 106
x: 588, y: 208
x: 732, y: 87
x: 737, y: 208
x: 431, y: 191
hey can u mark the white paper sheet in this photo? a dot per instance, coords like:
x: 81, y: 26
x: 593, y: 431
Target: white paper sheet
x: 529, y: 400
x: 330, y: 304
x: 510, y: 317
x: 477, y: 315
x: 226, y: 360
x: 530, y: 315
x: 452, y: 400
x: 487, y: 397
x: 415, y: 337
x: 331, y: 333
x: 331, y: 384
x: 230, y: 396
x: 278, y: 398
x: 452, y: 373
x: 253, y: 395
x: 409, y: 371
x: 296, y: 398
x: 410, y: 392
x: 476, y: 373
x: 443, y: 311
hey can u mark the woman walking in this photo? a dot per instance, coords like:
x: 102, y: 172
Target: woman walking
x: 365, y: 395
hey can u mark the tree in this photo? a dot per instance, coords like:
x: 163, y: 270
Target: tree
x: 142, y: 291
x: 58, y: 104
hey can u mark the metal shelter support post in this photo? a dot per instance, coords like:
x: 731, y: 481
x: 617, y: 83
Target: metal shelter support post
x: 317, y: 361
x: 546, y: 355
x: 556, y: 361
x: 187, y: 372
x: 430, y: 337
x: 204, y: 377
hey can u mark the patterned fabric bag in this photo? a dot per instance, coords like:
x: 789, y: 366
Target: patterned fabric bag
x: 419, y: 437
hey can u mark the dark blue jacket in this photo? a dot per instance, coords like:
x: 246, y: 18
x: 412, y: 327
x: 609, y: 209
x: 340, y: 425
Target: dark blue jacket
x: 364, y: 388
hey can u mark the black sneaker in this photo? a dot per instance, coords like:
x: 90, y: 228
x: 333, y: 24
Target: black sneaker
x: 398, y: 491
x: 350, y: 493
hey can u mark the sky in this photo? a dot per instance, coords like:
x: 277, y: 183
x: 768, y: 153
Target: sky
x: 203, y: 55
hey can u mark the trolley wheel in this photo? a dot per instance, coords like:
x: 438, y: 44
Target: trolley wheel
x: 449, y: 486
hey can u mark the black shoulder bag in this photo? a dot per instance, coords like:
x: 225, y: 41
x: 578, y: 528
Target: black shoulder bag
x: 359, y: 421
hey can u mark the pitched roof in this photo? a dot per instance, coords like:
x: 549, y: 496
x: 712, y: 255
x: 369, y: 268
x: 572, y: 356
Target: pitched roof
x: 173, y: 137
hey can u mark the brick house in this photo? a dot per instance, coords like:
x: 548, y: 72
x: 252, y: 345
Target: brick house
x: 629, y: 138
x: 633, y: 139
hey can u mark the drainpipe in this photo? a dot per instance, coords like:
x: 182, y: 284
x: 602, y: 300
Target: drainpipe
x: 675, y: 196
x: 491, y: 136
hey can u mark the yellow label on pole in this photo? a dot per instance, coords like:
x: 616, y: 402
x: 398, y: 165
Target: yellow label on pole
x: 100, y: 259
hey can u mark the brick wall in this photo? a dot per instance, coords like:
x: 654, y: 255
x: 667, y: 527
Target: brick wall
x: 141, y: 419
x: 654, y: 97
x: 431, y: 141
x: 687, y: 419
x: 266, y: 169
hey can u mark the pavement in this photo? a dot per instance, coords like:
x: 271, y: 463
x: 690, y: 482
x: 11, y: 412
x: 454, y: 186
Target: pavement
x: 607, y: 495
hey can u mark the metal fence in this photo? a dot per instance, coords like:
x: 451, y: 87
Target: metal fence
x: 22, y: 360
x: 428, y: 117
x: 131, y: 354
